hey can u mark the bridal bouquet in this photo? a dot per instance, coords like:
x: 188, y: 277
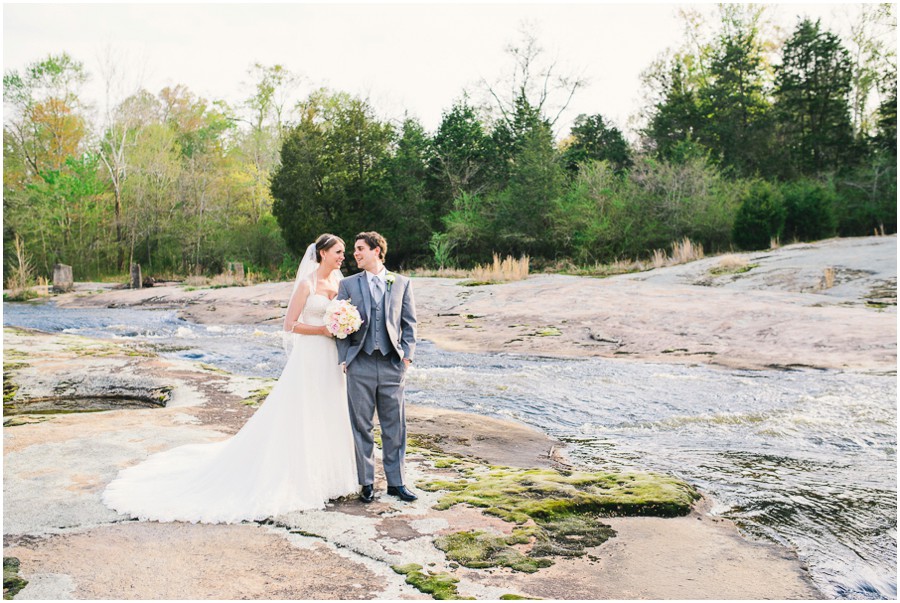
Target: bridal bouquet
x: 342, y: 318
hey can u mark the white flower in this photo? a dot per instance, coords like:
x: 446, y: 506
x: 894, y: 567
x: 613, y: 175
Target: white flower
x: 389, y: 278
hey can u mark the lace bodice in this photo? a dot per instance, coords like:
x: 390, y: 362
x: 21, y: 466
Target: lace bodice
x: 314, y: 310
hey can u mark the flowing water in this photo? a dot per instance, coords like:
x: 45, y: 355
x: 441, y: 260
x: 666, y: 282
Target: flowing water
x: 804, y: 458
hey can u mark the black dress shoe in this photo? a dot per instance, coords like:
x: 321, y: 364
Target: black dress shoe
x: 402, y: 493
x: 367, y: 494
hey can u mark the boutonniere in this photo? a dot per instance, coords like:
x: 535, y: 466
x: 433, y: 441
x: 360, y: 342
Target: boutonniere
x: 389, y: 278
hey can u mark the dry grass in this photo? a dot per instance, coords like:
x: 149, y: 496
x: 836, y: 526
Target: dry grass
x: 440, y: 272
x: 683, y: 251
x: 500, y: 271
x: 509, y: 269
x: 659, y: 259
x: 828, y: 278
x: 732, y: 262
x: 21, y: 280
x: 22, y: 275
x: 774, y: 243
x: 687, y: 251
x: 43, y: 286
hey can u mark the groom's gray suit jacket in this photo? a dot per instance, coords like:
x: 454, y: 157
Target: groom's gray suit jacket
x: 399, y: 316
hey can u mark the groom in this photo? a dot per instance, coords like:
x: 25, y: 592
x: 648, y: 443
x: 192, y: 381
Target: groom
x: 375, y: 359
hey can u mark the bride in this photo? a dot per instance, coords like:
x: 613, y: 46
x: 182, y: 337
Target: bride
x: 295, y: 452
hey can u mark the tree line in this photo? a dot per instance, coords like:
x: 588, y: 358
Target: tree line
x: 743, y: 140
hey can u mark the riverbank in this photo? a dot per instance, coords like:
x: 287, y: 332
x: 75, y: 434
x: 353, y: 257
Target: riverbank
x: 772, y: 309
x: 70, y: 546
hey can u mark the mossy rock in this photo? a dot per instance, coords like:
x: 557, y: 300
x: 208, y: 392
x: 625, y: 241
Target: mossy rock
x: 12, y: 582
x: 9, y: 386
x: 440, y: 585
x: 570, y: 535
x: 548, y: 332
x: 90, y: 348
x: 257, y: 396
x: 478, y: 549
x: 18, y: 420
x: 740, y: 269
x: 541, y: 494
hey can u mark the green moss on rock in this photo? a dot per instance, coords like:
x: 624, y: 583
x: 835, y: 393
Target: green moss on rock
x: 558, y: 512
x: 257, y: 396
x: 441, y: 586
x: 12, y: 582
x: 518, y: 495
x: 569, y: 535
x: 9, y: 386
x: 478, y: 549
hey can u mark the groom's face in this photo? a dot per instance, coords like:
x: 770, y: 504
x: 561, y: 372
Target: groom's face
x: 366, y: 257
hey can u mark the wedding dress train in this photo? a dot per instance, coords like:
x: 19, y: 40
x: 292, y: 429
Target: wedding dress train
x: 295, y: 453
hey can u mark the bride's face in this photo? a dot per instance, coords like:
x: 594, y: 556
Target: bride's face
x: 333, y: 257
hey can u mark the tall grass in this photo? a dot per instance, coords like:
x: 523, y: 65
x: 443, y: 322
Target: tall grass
x: 827, y: 278
x: 509, y: 269
x: 683, y: 251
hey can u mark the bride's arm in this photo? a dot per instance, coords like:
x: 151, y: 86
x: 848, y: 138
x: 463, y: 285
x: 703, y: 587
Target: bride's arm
x: 292, y: 316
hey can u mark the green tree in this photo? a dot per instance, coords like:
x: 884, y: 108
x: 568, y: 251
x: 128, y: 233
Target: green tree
x: 523, y: 212
x: 733, y: 100
x: 333, y: 172
x: 676, y: 117
x: 592, y: 139
x: 461, y: 156
x: 812, y: 101
x: 152, y: 220
x: 409, y: 216
x: 45, y: 126
x: 47, y: 119
x: 886, y: 117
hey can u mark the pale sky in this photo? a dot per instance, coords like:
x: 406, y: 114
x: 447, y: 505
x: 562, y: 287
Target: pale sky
x: 416, y: 56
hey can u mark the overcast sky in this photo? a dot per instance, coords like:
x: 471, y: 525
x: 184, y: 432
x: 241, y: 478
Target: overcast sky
x: 416, y: 57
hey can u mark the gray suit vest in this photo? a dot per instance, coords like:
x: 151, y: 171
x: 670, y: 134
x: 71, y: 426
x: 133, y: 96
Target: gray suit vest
x: 377, y: 337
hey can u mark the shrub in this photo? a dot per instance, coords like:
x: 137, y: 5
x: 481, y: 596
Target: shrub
x: 809, y: 211
x: 760, y: 217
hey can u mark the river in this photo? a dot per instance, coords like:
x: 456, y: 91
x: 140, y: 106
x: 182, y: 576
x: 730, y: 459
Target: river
x: 805, y: 458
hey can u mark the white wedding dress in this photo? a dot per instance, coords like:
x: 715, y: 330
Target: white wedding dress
x: 295, y: 453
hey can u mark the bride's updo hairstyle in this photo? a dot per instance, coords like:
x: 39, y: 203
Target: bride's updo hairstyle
x: 326, y: 242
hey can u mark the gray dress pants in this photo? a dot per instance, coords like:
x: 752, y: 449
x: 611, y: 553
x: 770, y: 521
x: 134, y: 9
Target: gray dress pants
x: 375, y: 383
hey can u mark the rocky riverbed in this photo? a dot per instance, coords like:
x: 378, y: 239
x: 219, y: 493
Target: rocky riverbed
x: 777, y: 313
x: 69, y: 545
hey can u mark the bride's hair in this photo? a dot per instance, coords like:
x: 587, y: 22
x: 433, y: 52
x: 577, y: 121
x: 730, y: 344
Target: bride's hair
x: 326, y: 242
